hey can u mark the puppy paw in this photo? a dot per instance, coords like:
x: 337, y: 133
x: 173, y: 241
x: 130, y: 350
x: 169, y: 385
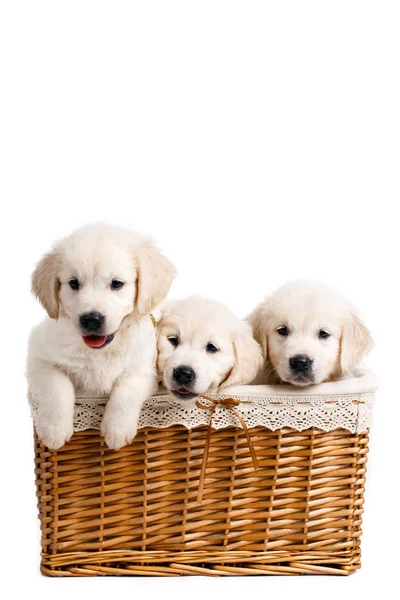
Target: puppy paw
x: 55, y: 436
x: 117, y: 433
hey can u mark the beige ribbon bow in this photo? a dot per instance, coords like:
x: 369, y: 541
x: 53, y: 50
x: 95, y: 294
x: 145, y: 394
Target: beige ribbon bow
x: 229, y: 403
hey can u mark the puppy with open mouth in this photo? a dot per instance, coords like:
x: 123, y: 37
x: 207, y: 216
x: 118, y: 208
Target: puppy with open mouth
x: 98, y: 287
x: 203, y: 347
x: 309, y: 334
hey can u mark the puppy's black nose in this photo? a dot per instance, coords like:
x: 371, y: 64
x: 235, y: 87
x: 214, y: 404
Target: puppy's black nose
x: 300, y: 363
x: 92, y: 321
x: 184, y: 375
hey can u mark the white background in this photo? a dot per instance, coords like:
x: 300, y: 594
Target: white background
x: 257, y: 142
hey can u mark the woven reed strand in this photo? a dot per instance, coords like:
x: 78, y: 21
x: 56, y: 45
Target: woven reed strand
x: 135, y: 511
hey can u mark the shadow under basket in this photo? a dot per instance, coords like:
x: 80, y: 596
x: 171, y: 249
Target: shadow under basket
x: 137, y: 511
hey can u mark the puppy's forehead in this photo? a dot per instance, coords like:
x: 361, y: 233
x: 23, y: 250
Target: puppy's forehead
x: 309, y: 311
x: 196, y: 319
x: 100, y: 259
x: 192, y: 328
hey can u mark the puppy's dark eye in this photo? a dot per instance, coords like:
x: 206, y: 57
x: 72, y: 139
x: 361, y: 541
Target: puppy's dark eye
x: 174, y: 340
x: 323, y: 334
x: 116, y: 284
x: 74, y: 284
x: 283, y: 331
x: 211, y: 348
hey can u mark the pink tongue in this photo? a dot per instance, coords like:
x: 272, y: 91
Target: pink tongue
x: 183, y: 391
x: 94, y: 341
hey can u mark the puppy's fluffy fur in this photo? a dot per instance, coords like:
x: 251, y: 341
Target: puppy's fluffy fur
x: 311, y: 321
x: 208, y: 339
x: 60, y: 363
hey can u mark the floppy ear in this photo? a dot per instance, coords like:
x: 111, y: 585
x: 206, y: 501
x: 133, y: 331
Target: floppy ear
x: 356, y: 342
x: 248, y: 357
x: 258, y: 321
x: 45, y: 283
x: 154, y: 277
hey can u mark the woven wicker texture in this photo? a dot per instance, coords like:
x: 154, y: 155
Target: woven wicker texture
x: 135, y: 511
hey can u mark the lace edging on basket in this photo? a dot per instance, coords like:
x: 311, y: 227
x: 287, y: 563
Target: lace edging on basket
x: 350, y: 412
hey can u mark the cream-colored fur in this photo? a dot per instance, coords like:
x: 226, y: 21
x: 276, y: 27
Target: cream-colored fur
x: 61, y: 365
x: 196, y: 322
x: 306, y: 308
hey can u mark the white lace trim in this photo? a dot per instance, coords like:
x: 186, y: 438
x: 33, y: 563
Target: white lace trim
x: 351, y: 412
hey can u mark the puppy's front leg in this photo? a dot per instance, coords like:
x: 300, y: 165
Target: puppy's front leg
x: 121, y: 417
x: 56, y: 397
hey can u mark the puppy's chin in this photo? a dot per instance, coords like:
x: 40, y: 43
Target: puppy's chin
x: 296, y: 378
x: 183, y: 394
x: 187, y: 393
x: 300, y: 382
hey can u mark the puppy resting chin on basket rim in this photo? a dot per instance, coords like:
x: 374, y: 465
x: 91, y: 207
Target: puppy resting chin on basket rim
x: 203, y: 347
x: 98, y: 286
x: 309, y: 334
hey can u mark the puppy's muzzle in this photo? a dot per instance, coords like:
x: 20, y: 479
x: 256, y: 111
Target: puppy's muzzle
x: 184, y: 375
x: 301, y: 364
x: 92, y: 322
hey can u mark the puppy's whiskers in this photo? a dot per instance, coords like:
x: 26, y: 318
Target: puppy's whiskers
x: 271, y: 376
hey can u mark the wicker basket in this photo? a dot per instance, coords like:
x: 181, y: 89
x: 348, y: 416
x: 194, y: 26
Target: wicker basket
x: 138, y: 511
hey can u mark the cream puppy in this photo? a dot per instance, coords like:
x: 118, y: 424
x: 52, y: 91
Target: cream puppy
x: 309, y: 334
x: 98, y: 287
x: 202, y: 347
